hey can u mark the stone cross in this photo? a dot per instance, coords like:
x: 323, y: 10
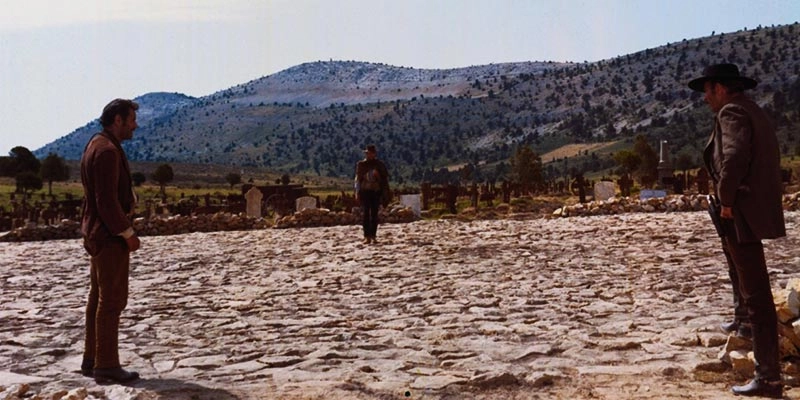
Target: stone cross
x: 253, y: 198
x: 664, y: 168
x: 305, y: 202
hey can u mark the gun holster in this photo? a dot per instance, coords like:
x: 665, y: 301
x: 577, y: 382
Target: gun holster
x: 714, y: 208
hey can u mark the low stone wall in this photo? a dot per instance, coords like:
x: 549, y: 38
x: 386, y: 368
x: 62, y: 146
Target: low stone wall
x: 175, y: 225
x: 673, y: 203
x: 157, y: 226
x: 200, y: 223
x: 791, y: 202
x: 68, y: 229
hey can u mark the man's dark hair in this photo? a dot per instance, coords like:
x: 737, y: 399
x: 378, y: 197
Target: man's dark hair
x: 121, y: 107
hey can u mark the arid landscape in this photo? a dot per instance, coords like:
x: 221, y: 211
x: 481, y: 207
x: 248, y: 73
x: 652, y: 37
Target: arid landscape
x: 544, y: 232
x: 608, y: 307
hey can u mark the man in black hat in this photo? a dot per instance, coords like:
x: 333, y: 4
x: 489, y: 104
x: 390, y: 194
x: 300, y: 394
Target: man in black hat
x: 743, y: 159
x: 371, y: 185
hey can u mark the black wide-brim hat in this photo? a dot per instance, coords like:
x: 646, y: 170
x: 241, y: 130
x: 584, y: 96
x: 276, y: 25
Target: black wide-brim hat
x: 721, y: 73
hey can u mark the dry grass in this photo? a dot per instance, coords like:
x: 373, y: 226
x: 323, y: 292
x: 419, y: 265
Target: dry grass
x: 572, y: 150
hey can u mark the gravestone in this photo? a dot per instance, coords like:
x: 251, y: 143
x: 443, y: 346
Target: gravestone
x: 473, y: 194
x: 702, y: 181
x: 645, y: 194
x: 426, y: 195
x: 604, y: 190
x: 665, y: 170
x: 253, y: 198
x: 506, y: 188
x: 580, y: 182
x: 148, y: 208
x: 412, y: 201
x: 625, y: 183
x: 305, y: 202
x: 452, y: 197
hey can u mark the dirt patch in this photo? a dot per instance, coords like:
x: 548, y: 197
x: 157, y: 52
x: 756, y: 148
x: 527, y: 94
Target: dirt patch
x: 572, y: 150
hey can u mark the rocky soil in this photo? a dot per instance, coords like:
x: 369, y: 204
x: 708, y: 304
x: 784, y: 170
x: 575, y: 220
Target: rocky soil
x: 602, y: 307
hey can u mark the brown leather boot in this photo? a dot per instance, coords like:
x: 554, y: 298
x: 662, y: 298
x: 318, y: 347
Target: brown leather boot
x: 114, y: 375
x: 87, y: 368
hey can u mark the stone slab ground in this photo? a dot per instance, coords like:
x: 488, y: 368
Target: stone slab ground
x: 610, y: 307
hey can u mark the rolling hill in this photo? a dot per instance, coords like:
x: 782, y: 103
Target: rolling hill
x: 316, y: 117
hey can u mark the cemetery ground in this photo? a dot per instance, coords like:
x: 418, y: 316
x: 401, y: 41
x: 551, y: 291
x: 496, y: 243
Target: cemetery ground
x: 606, y: 307
x: 189, y: 180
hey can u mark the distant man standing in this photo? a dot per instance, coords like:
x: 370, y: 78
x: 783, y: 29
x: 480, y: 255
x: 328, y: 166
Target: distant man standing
x: 371, y: 185
x: 743, y: 159
x: 108, y: 236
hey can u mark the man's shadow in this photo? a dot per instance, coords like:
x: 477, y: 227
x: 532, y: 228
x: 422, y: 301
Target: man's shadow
x: 180, y: 390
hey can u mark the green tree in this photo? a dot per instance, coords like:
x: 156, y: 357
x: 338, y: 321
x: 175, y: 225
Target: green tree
x: 233, y: 179
x: 138, y: 178
x: 500, y: 170
x: 163, y: 175
x: 54, y: 169
x: 685, y: 162
x: 648, y: 169
x: 6, y: 166
x: 627, y: 160
x: 21, y: 159
x: 467, y: 173
x: 526, y: 168
x: 28, y: 181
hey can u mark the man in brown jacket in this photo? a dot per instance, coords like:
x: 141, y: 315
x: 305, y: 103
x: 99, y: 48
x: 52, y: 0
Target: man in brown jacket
x: 743, y: 159
x: 109, y: 239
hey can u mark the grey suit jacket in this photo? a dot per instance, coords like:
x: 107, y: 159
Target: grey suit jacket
x: 743, y: 158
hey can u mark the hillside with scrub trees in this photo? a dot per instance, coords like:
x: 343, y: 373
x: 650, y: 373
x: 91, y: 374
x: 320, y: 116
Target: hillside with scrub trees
x: 316, y: 118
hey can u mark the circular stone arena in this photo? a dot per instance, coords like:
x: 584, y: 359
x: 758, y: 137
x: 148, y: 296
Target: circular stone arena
x: 607, y: 307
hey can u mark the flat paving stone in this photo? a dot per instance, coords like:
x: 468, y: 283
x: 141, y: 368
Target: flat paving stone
x: 621, y: 306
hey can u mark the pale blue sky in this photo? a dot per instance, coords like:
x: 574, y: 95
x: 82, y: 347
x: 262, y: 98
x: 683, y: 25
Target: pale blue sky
x: 62, y: 61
